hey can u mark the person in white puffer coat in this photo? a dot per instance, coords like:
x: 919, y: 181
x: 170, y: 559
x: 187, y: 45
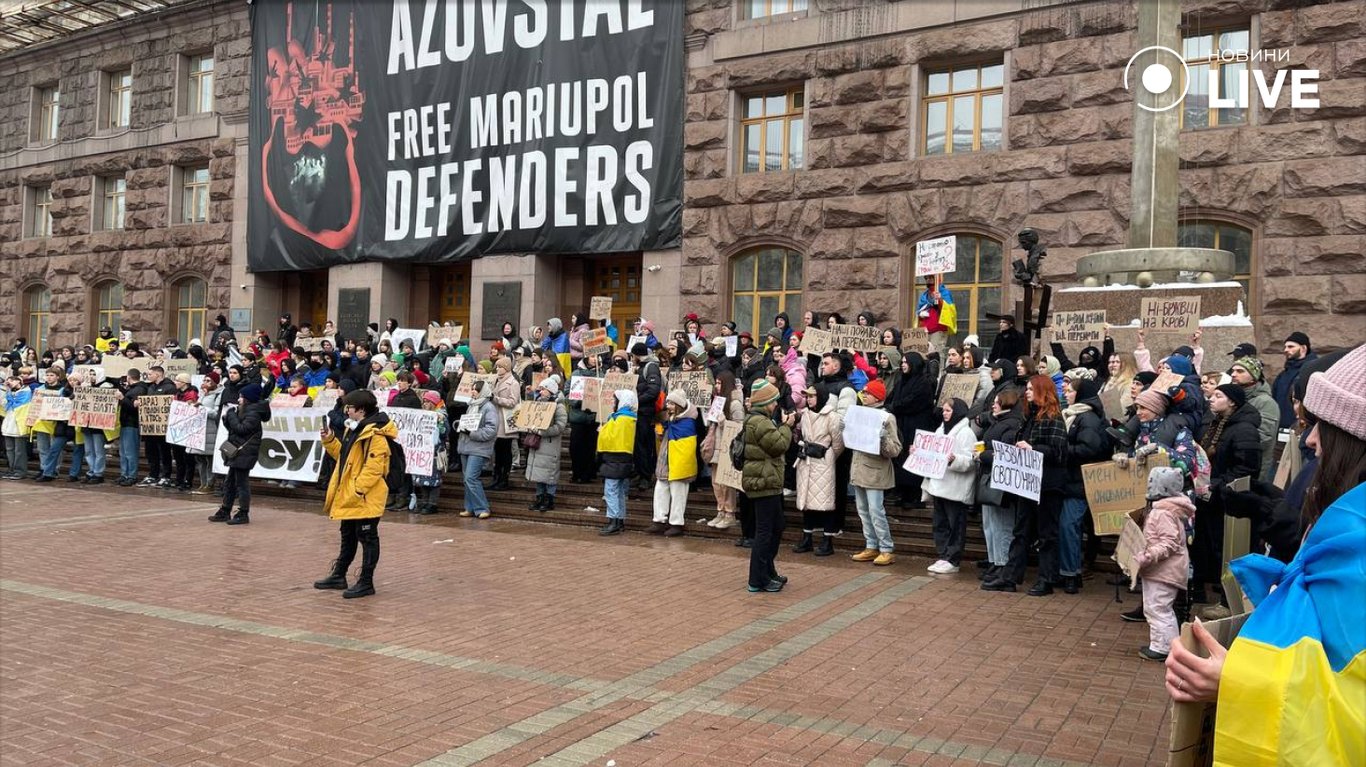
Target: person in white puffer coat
x: 955, y: 492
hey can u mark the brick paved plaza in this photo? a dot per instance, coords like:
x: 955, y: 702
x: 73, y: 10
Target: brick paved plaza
x: 132, y: 632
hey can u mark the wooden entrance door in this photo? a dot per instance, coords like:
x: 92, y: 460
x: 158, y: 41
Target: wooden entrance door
x: 618, y: 277
x: 451, y: 299
x: 312, y: 299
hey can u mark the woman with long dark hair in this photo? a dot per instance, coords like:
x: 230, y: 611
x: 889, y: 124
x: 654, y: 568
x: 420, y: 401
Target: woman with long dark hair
x: 1045, y: 432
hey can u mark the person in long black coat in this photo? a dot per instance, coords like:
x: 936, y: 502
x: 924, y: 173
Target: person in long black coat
x: 1087, y: 442
x: 911, y: 403
x: 245, y: 425
x: 1233, y: 443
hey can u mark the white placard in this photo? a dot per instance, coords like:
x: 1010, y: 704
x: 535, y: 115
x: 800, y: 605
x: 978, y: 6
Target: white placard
x: 732, y: 345
x: 407, y: 334
x: 863, y: 429
x: 576, y: 385
x: 716, y: 413
x: 291, y: 445
x: 631, y: 344
x: 930, y: 455
x: 417, y: 435
x: 937, y: 256
x: 187, y: 425
x: 469, y: 422
x: 1017, y: 471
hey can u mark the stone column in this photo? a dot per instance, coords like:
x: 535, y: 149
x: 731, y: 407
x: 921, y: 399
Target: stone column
x: 1152, y: 220
x: 660, y: 297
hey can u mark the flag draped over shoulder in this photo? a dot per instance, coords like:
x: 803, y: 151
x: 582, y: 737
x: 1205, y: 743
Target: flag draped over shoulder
x: 1293, y: 690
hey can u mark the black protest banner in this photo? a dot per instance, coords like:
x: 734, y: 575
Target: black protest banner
x: 428, y: 131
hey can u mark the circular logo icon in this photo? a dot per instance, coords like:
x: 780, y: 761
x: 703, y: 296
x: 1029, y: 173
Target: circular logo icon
x: 1160, y: 72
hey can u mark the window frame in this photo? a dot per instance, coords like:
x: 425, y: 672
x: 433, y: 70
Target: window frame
x: 112, y: 316
x: 789, y: 92
x: 47, y: 113
x: 755, y: 293
x: 745, y: 8
x: 195, y: 82
x: 951, y: 95
x: 187, y: 191
x: 116, y: 94
x: 103, y: 200
x: 40, y: 211
x: 187, y: 321
x: 1252, y: 306
x: 967, y: 324
x: 1216, y: 64
x: 37, y: 339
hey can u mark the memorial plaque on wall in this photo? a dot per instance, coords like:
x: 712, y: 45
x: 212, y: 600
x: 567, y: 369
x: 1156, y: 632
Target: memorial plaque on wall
x: 353, y: 312
x: 502, y: 303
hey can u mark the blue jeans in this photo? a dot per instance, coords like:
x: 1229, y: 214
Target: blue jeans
x: 614, y: 491
x: 1069, y: 536
x: 95, y: 451
x: 128, y: 452
x: 77, y: 459
x: 997, y: 523
x: 471, y: 466
x: 877, y: 534
x: 49, y: 453
x: 545, y: 488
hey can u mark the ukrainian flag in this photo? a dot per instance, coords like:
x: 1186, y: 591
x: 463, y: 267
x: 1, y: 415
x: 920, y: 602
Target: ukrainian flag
x: 1293, y: 691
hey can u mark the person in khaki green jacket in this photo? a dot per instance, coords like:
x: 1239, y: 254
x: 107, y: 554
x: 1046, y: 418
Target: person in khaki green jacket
x: 871, y: 476
x: 767, y: 433
x: 357, y: 491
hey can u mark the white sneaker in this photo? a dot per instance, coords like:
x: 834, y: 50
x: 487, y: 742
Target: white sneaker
x: 789, y: 493
x: 935, y: 568
x: 948, y: 569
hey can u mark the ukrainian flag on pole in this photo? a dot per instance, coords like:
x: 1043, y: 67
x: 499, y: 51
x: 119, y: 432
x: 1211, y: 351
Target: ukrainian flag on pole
x: 1293, y: 691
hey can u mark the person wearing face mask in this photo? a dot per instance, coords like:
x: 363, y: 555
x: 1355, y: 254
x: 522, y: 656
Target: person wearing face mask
x: 956, y: 490
x: 871, y: 476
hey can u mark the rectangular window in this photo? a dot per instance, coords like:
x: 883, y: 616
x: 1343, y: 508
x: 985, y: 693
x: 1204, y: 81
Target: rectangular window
x: 772, y: 131
x: 194, y: 194
x: 200, y: 90
x: 120, y: 99
x: 1206, y: 55
x: 963, y: 109
x: 113, y: 190
x: 758, y: 9
x: 48, y: 113
x: 40, y: 221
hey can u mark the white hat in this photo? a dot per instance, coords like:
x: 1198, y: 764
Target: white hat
x: 551, y: 385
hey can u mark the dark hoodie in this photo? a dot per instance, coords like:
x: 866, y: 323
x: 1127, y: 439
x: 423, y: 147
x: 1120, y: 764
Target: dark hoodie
x: 960, y: 411
x: 981, y: 414
x: 1087, y: 440
x: 911, y: 403
x: 787, y: 326
x: 1090, y: 357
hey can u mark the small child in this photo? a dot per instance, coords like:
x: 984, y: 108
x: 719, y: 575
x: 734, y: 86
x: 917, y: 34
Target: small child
x: 1164, y: 562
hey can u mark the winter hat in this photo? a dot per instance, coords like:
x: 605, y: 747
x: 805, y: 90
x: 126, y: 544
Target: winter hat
x: 775, y: 334
x: 763, y: 393
x: 433, y: 397
x: 876, y: 390
x: 1079, y: 374
x: 1152, y: 400
x: 389, y: 377
x: 183, y: 378
x: 971, y: 341
x: 1243, y: 350
x: 251, y: 392
x: 646, y: 326
x: 1184, y: 351
x: 1235, y: 393
x: 1165, y: 482
x: 347, y: 385
x: 626, y: 399
x: 1180, y: 364
x: 1339, y: 395
x: 1086, y: 389
x: 485, y: 366
x: 196, y: 342
x: 504, y: 364
x: 1146, y: 378
x: 213, y: 375
x: 1251, y: 365
x: 679, y: 398
x: 1298, y: 338
x: 551, y: 385
x: 381, y: 359
x: 639, y: 349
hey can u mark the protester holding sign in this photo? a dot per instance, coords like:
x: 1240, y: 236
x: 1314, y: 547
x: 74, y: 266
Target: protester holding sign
x: 583, y: 426
x: 936, y: 312
x: 956, y: 490
x: 1087, y: 442
x: 1045, y: 432
x: 245, y: 425
x: 616, y: 458
x: 1000, y: 514
x: 821, y: 443
x: 733, y: 411
x: 477, y: 446
x: 210, y: 404
x: 184, y: 466
x: 427, y: 486
x: 15, y: 427
x: 152, y: 425
x: 507, y: 392
x: 543, y: 447
x: 871, y: 475
x: 50, y: 436
x: 911, y: 403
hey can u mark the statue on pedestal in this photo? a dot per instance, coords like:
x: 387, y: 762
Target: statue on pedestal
x: 1029, y: 270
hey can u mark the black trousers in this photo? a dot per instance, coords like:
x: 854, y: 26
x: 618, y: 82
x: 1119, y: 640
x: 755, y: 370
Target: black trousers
x: 768, y: 533
x: 744, y: 510
x: 1035, y: 522
x: 583, y: 451
x: 646, y: 454
x: 237, y: 488
x: 158, y: 457
x: 366, y: 533
x: 184, y: 464
x: 843, y: 465
x: 502, y: 458
x: 950, y: 529
x: 1207, y: 545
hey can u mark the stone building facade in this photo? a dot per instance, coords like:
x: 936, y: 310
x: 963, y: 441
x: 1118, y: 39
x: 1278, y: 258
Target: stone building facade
x: 839, y: 101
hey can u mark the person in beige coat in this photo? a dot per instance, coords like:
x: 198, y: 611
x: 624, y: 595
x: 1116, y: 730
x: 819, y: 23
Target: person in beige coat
x: 822, y: 441
x: 543, y: 461
x: 507, y: 392
x: 726, y: 497
x: 871, y: 476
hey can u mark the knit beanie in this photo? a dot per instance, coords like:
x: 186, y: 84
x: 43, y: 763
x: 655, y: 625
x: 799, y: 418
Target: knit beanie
x: 1180, y: 364
x: 763, y: 393
x: 1146, y: 377
x: 1338, y: 396
x: 775, y: 334
x: 678, y: 397
x: 1251, y: 365
x: 551, y: 385
x: 1298, y: 338
x: 1165, y: 482
x: 639, y: 349
x: 1079, y: 374
x: 504, y: 364
x: 876, y: 390
x: 1152, y: 400
x: 347, y: 385
x: 251, y: 392
x: 1236, y: 394
x: 432, y: 397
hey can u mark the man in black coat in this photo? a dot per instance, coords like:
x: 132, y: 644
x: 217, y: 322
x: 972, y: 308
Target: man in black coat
x: 648, y: 386
x: 245, y: 425
x: 1010, y: 344
x: 154, y: 447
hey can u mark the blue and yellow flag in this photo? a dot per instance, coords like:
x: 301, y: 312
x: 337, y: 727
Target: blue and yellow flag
x: 1293, y: 690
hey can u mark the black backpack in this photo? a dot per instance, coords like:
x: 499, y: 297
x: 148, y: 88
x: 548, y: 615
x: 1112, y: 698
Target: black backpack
x: 398, y: 466
x: 737, y: 450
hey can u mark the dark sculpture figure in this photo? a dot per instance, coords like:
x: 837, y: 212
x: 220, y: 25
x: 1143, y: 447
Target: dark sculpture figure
x: 1029, y: 270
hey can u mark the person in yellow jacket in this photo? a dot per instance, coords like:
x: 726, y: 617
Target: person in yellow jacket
x: 357, y: 490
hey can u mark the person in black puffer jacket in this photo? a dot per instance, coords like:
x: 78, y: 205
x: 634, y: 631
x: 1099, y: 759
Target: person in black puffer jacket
x: 912, y: 404
x: 1087, y: 442
x: 245, y: 425
x: 1234, y: 445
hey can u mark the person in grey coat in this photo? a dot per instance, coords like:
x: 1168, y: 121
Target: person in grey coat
x: 543, y: 461
x: 476, y: 449
x: 211, y: 402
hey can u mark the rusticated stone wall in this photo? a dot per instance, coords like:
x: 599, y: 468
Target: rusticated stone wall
x: 1297, y: 178
x: 151, y: 251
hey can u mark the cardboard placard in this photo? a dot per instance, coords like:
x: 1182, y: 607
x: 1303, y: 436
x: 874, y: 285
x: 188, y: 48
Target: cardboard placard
x: 116, y: 366
x: 1112, y: 400
x: 1179, y: 314
x: 531, y: 415
x: 289, y: 400
x: 1082, y: 327
x: 633, y: 340
x: 55, y: 409
x: 1112, y: 493
x: 726, y: 474
x: 863, y: 429
x: 314, y: 343
x: 857, y: 338
x: 959, y: 386
x: 187, y: 425
x: 327, y: 398
x: 612, y: 383
x: 592, y: 394
x: 696, y: 384
x: 1192, y: 730
x: 1165, y: 381
x: 450, y: 334
x: 930, y: 455
x: 95, y: 408
x: 92, y: 374
x: 1018, y: 471
x: 35, y: 405
x: 417, y: 430
x: 1130, y: 545
x: 915, y: 339
x: 154, y: 412
x: 174, y: 368
x: 937, y: 256
x: 816, y: 341
x: 465, y: 392
x: 596, y: 342
x: 600, y: 308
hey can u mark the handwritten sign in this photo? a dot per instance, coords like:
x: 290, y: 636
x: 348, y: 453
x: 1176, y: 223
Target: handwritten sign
x: 453, y: 364
x: 611, y: 384
x: 1129, y: 546
x: 726, y: 474
x: 592, y: 394
x: 1079, y: 327
x: 816, y: 341
x: 174, y: 368
x: 90, y: 373
x: 915, y: 340
x: 445, y: 334
x: 716, y: 412
x: 529, y: 416
x: 187, y: 425
x: 732, y: 345
x: 863, y: 429
x: 469, y: 422
x: 154, y: 411
x: 1018, y: 471
x: 1166, y: 381
x: 1112, y: 492
x: 467, y: 390
x: 856, y: 338
x: 1170, y: 315
x: 596, y: 342
x: 600, y: 308
x: 407, y: 334
x: 696, y: 385
x: 937, y: 256
x: 289, y: 400
x: 959, y: 386
x: 327, y: 398
x: 417, y: 430
x: 930, y: 456
x: 313, y: 343
x: 116, y: 366
x: 95, y: 408
x: 55, y: 409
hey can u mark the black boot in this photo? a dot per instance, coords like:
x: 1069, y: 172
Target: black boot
x: 221, y: 515
x: 804, y: 545
x: 539, y: 503
x: 242, y: 517
x: 368, y: 534
x: 1071, y: 584
x: 337, y: 580
x: 826, y: 546
x: 549, y: 502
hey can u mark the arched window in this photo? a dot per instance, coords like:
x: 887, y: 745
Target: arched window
x: 38, y: 316
x: 191, y: 296
x: 765, y: 281
x: 109, y: 306
x: 976, y: 286
x: 1203, y: 233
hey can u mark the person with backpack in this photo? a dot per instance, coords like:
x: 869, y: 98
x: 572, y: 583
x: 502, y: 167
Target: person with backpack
x: 358, y: 488
x: 764, y: 439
